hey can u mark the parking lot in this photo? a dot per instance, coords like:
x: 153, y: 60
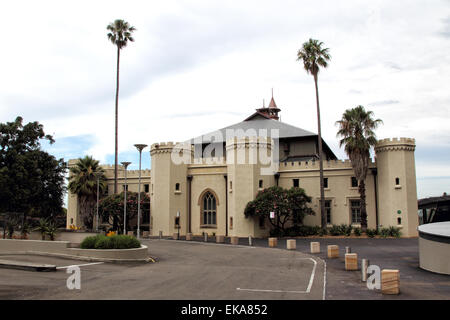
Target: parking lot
x: 198, y: 270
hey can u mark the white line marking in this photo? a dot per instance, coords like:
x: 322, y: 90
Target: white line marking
x: 79, y: 265
x: 308, y: 290
x: 209, y: 243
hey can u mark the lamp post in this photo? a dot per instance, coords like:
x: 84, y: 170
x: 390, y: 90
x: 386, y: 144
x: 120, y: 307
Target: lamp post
x: 98, y: 192
x: 125, y: 164
x: 140, y: 147
x: 178, y: 224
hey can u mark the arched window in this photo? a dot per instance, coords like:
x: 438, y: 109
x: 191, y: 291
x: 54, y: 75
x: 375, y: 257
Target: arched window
x: 209, y: 209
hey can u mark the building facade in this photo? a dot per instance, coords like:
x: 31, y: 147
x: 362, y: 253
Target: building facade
x: 205, y: 183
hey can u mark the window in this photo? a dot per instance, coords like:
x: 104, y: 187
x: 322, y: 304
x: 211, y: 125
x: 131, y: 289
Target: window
x: 209, y: 209
x: 355, y: 209
x: 146, y: 187
x: 231, y: 185
x: 325, y: 183
x: 125, y: 186
x: 231, y: 223
x: 328, y: 210
x: 354, y: 182
x: 177, y: 187
x: 71, y: 220
x: 260, y: 184
x: 397, y: 181
x: 399, y: 221
x: 296, y: 182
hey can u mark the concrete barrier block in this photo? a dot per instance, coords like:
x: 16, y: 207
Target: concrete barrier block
x: 234, y: 240
x: 315, y: 247
x: 189, y: 236
x: 220, y: 239
x: 175, y: 236
x: 333, y: 251
x: 273, y: 242
x: 291, y: 244
x: 390, y: 281
x: 351, y: 261
x: 130, y: 233
x: 146, y: 234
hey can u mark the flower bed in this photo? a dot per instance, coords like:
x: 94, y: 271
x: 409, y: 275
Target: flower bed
x: 110, y: 242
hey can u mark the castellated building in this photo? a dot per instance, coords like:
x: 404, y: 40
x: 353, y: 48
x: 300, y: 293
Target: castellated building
x: 209, y: 180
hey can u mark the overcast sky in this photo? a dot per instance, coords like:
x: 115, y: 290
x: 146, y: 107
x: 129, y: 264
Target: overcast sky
x: 197, y: 66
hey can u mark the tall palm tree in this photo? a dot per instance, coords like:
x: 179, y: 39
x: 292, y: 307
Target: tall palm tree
x: 357, y: 131
x: 83, y: 183
x: 119, y: 35
x: 314, y: 56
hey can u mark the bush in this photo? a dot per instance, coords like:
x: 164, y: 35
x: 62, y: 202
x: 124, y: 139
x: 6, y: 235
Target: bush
x: 371, y: 233
x: 394, y: 232
x: 357, y: 231
x: 384, y: 232
x: 323, y: 232
x: 335, y: 230
x: 345, y: 229
x: 112, y: 242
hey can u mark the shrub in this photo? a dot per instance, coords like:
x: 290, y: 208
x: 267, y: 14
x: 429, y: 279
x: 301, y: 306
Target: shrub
x: 357, y: 231
x: 111, y: 242
x: 394, y: 232
x: 371, y: 233
x: 345, y: 229
x: 323, y: 232
x: 335, y: 230
x: 384, y: 232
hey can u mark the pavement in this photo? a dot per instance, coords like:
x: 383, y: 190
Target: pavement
x: 208, y: 271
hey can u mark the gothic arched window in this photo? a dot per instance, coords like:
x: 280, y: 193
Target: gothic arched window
x: 209, y: 209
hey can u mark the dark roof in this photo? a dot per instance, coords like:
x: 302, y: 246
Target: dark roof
x: 257, y: 122
x: 433, y: 200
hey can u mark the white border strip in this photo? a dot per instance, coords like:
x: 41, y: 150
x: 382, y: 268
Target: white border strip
x: 79, y: 265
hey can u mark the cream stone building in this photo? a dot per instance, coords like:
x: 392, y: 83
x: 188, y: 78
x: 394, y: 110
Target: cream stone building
x: 208, y: 180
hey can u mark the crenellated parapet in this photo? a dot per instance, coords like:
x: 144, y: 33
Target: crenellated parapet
x: 395, y: 144
x: 169, y: 147
x: 314, y: 165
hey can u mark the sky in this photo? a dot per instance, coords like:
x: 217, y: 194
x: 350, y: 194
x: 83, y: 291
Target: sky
x: 197, y: 66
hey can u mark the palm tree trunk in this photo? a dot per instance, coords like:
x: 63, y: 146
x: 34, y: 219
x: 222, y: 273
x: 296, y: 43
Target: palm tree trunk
x: 362, y: 193
x: 116, y: 121
x: 323, y: 218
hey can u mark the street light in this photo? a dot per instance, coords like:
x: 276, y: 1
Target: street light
x: 97, y: 175
x: 140, y: 147
x: 125, y: 164
x: 178, y: 224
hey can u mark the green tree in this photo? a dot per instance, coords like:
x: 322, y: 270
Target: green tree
x: 287, y: 205
x: 83, y: 182
x: 314, y: 56
x: 119, y: 35
x: 111, y: 207
x: 356, y: 128
x: 31, y: 180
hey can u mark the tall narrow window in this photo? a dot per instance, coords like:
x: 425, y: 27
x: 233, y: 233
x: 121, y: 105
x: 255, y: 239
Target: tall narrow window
x: 125, y: 186
x: 354, y: 182
x: 397, y: 181
x: 328, y: 210
x: 296, y: 183
x: 177, y: 187
x: 355, y: 211
x: 260, y: 184
x: 231, y: 223
x: 325, y: 183
x: 209, y: 209
x: 146, y: 188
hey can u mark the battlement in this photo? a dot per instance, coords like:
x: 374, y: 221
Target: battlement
x: 249, y: 142
x: 209, y: 161
x: 167, y: 147
x: 314, y: 165
x: 391, y: 144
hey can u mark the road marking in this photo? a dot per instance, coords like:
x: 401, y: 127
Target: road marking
x: 324, y: 279
x: 79, y: 265
x: 308, y: 289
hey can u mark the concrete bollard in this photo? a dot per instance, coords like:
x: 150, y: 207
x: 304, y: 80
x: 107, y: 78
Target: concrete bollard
x: 348, y: 250
x: 351, y: 261
x: 220, y: 239
x: 390, y: 281
x: 291, y: 244
x: 234, y: 240
x: 273, y: 242
x: 188, y: 236
x: 315, y: 247
x: 175, y: 236
x: 130, y: 233
x: 160, y: 234
x: 364, y: 266
x: 333, y: 251
x: 205, y: 237
x: 250, y: 240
